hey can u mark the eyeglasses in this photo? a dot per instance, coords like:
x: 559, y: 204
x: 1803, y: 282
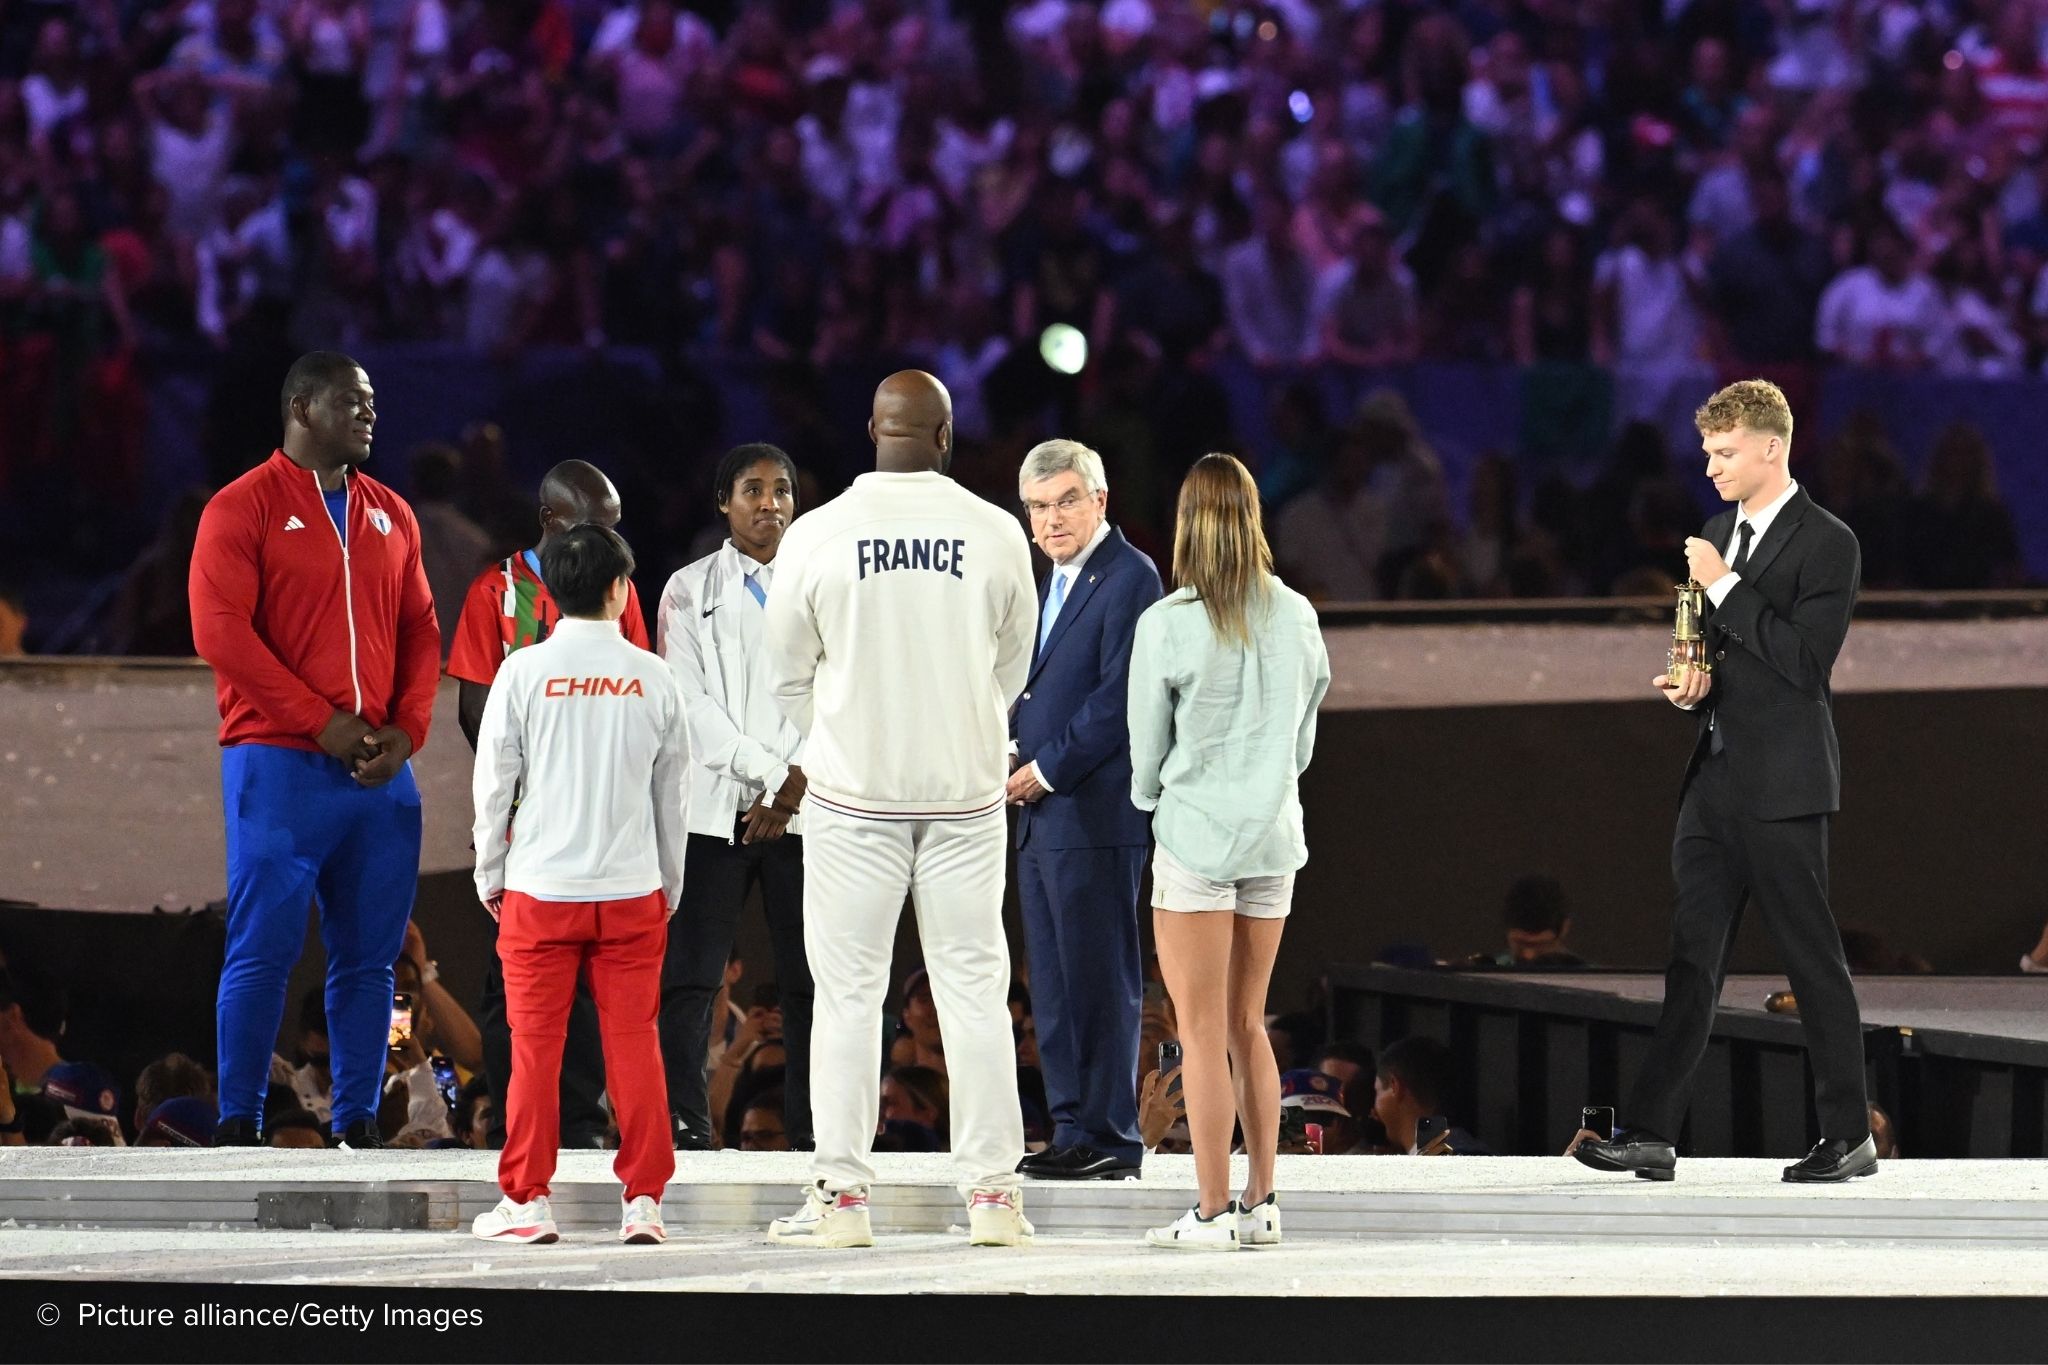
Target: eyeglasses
x: 1065, y: 506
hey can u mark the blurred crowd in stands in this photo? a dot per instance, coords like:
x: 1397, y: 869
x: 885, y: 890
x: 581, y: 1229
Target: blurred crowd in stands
x: 1763, y: 185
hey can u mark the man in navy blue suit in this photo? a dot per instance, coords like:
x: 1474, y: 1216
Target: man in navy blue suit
x: 1080, y: 842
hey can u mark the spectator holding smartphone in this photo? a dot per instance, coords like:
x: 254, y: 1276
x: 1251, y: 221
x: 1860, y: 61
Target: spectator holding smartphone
x: 1226, y: 675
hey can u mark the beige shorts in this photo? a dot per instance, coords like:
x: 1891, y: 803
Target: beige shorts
x: 1174, y: 887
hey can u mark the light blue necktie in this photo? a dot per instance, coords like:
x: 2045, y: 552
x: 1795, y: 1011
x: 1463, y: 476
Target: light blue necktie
x: 755, y: 588
x: 1053, y: 601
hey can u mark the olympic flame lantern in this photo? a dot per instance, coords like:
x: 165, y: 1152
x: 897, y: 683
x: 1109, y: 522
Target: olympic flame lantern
x: 1688, y: 637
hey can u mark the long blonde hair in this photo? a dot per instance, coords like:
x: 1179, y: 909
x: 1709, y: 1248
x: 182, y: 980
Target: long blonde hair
x: 1219, y: 545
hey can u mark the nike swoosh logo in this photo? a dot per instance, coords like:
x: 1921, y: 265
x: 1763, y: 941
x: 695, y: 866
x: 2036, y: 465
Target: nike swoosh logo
x: 709, y: 610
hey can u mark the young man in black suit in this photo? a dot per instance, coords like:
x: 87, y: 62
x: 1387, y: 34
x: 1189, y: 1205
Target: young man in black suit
x: 1764, y: 776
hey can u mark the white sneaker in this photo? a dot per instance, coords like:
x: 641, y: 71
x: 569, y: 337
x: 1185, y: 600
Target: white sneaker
x: 1259, y: 1225
x: 1192, y: 1232
x: 641, y: 1224
x: 533, y: 1221
x: 995, y: 1218
x: 827, y: 1219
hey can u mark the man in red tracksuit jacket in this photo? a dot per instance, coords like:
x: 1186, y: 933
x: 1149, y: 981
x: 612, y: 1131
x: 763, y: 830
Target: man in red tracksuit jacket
x: 310, y: 602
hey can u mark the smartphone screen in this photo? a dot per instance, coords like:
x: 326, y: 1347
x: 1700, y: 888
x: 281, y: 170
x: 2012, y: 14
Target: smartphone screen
x: 401, y: 1018
x: 445, y: 1080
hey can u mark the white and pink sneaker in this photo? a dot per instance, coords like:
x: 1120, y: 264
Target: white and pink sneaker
x: 641, y: 1224
x: 511, y: 1221
x: 828, y: 1219
x: 995, y: 1218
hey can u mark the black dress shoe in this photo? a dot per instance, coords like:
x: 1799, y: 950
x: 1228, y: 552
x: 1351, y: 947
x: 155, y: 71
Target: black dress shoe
x: 1648, y: 1156
x: 361, y: 1136
x: 1033, y: 1161
x: 1832, y: 1161
x: 1084, y: 1163
x: 237, y: 1133
x: 689, y: 1139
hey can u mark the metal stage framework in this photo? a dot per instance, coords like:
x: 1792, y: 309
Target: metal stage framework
x: 1959, y: 1063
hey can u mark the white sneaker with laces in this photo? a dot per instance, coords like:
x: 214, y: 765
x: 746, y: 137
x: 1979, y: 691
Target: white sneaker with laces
x: 1258, y: 1225
x: 641, y: 1224
x: 995, y: 1218
x: 1192, y: 1232
x: 827, y: 1219
x: 511, y: 1221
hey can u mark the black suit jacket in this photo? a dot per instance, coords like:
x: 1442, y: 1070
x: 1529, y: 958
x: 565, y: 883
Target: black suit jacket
x: 1774, y: 642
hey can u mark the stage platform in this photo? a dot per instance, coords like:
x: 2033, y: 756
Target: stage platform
x: 1959, y: 1063
x: 1355, y: 1225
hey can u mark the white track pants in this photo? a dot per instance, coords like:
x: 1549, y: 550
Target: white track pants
x: 856, y: 873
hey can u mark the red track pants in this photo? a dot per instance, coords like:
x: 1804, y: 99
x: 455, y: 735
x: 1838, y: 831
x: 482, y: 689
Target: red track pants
x: 544, y: 945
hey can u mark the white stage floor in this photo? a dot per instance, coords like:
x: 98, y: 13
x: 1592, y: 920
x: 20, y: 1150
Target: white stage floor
x: 931, y: 1263
x: 1356, y: 1226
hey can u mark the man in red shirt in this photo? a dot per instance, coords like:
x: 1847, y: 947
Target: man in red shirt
x: 507, y: 608
x: 310, y: 602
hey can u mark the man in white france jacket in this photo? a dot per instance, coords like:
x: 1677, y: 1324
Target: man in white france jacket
x: 586, y: 729
x: 899, y: 634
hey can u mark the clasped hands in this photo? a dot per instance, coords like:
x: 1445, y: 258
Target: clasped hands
x: 373, y: 756
x: 768, y: 820
x: 1024, y: 787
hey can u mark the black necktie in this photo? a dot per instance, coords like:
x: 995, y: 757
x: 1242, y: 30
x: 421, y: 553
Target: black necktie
x: 1746, y: 531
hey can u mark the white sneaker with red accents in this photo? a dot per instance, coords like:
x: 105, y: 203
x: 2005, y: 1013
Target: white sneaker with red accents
x: 641, y: 1223
x: 829, y: 1218
x: 995, y: 1218
x: 511, y: 1221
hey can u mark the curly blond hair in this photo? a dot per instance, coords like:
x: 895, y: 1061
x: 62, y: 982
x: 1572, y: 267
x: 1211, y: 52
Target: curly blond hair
x: 1757, y: 404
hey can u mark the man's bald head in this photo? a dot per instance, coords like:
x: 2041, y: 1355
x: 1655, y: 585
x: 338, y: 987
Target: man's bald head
x: 576, y: 493
x: 912, y: 426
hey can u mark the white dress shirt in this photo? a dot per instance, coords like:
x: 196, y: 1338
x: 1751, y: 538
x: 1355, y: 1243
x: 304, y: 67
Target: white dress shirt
x: 1718, y: 590
x: 1071, y: 570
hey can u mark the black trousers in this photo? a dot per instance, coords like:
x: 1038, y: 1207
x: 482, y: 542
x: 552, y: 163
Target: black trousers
x: 1722, y: 857
x: 584, y: 1120
x: 717, y: 875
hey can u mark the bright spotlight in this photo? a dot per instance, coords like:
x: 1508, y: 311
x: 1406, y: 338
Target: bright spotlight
x: 1064, y: 348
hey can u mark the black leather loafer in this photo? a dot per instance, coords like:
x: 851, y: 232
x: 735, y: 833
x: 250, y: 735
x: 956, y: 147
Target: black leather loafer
x: 1832, y: 1161
x: 1644, y: 1155
x: 1084, y: 1163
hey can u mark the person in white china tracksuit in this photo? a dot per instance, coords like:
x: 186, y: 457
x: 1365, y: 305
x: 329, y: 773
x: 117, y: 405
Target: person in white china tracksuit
x: 586, y: 729
x: 745, y: 786
x: 899, y: 635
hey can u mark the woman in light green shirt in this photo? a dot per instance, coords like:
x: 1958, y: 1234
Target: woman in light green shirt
x: 1226, y: 675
